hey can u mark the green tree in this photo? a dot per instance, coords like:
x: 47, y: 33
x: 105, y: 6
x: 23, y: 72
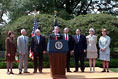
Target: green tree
x: 67, y: 9
x: 4, y: 6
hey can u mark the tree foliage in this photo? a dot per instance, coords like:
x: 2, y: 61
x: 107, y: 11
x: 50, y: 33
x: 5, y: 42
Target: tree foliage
x: 67, y: 9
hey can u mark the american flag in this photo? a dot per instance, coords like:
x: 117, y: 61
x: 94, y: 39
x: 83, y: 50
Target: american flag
x: 55, y: 20
x: 33, y: 34
x: 34, y: 27
x: 55, y: 23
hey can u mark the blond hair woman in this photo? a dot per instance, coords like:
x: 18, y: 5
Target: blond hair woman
x: 104, y: 43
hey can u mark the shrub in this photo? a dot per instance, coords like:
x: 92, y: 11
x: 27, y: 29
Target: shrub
x: 46, y: 64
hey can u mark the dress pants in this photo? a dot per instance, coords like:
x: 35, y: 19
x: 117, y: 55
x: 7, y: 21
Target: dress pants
x: 38, y: 62
x: 68, y: 61
x: 79, y: 57
x: 23, y: 59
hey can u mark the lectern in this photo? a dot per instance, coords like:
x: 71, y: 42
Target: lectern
x: 57, y: 55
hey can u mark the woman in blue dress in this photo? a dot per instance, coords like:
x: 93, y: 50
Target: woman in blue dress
x: 104, y: 43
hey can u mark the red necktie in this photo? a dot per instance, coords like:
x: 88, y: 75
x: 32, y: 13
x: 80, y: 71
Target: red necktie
x: 56, y: 37
x: 66, y: 36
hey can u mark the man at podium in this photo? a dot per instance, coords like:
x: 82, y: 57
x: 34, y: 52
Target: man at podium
x: 57, y: 49
x: 56, y: 35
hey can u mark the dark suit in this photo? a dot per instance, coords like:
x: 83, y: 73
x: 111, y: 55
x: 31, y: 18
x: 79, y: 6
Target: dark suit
x: 70, y: 46
x: 79, y: 47
x: 37, y: 48
x: 53, y: 36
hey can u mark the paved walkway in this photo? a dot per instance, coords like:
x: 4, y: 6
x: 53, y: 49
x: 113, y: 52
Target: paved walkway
x: 73, y: 75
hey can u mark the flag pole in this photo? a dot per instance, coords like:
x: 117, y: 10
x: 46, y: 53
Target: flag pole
x: 31, y: 53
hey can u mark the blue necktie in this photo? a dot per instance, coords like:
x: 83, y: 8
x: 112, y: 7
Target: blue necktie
x: 25, y: 39
x: 78, y: 37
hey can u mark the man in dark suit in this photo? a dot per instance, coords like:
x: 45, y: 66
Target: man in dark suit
x: 79, y: 49
x: 56, y: 35
x: 70, y: 40
x: 38, y: 47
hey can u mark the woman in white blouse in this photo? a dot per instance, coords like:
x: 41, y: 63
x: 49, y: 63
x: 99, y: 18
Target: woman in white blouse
x: 91, y: 48
x: 104, y: 43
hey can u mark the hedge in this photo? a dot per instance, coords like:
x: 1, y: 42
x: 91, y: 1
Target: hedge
x: 113, y: 63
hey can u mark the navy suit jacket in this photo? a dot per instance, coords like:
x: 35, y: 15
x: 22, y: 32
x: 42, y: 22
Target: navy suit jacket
x: 36, y: 47
x: 80, y: 45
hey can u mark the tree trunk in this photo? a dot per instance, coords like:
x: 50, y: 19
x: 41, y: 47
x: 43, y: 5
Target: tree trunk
x: 68, y: 4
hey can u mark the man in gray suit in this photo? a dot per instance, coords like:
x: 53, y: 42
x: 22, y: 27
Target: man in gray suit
x: 22, y: 43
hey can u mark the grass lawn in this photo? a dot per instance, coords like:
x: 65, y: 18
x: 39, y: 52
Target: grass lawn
x: 114, y: 69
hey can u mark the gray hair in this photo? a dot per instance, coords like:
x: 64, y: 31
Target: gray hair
x: 66, y: 28
x: 22, y: 30
x: 91, y: 29
x: 37, y: 30
x: 56, y: 27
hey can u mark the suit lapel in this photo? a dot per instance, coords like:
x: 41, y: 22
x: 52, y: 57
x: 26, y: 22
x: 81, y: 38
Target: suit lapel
x: 40, y: 39
x: 76, y: 39
x: 36, y: 39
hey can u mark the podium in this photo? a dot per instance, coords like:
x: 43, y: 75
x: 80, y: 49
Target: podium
x: 57, y: 55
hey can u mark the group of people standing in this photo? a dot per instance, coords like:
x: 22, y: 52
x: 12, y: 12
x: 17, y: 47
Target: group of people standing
x: 88, y: 44
x: 78, y: 45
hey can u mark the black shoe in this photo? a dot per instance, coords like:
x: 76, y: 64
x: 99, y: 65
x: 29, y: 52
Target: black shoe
x: 107, y: 70
x: 40, y: 72
x: 82, y: 71
x: 68, y: 71
x: 20, y: 73
x: 27, y: 72
x: 35, y: 72
x: 104, y: 71
x: 11, y: 73
x: 76, y: 71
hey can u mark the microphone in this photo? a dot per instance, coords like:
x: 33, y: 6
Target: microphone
x: 58, y: 35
